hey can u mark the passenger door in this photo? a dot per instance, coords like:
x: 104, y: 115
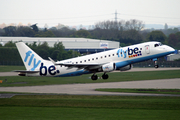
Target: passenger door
x: 147, y: 49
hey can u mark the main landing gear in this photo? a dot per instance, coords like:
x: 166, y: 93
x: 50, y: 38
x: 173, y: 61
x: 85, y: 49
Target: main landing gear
x: 95, y: 77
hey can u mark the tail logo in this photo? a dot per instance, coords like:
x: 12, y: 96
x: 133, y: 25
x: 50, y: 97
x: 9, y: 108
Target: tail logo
x: 32, y: 59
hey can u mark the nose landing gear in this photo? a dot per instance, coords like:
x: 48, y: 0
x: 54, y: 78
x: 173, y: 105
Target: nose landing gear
x: 155, y: 63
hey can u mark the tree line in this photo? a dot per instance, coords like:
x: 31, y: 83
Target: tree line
x: 10, y: 55
x: 126, y: 32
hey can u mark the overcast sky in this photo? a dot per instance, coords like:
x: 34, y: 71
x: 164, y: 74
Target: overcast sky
x: 88, y: 12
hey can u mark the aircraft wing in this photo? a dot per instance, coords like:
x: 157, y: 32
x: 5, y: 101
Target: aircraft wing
x: 87, y: 66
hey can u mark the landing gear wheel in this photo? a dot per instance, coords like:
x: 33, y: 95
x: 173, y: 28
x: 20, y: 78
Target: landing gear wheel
x: 94, y: 77
x: 105, y: 76
x: 156, y: 66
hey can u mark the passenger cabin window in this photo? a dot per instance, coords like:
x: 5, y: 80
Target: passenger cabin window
x: 84, y: 60
x: 96, y: 58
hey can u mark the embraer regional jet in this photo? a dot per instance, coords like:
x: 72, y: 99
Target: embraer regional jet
x: 116, y: 59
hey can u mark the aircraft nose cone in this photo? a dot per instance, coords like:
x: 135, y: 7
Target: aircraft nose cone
x: 170, y: 49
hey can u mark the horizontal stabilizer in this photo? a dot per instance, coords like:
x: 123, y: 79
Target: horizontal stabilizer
x: 25, y: 71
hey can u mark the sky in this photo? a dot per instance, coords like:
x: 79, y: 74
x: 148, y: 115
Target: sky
x: 88, y: 12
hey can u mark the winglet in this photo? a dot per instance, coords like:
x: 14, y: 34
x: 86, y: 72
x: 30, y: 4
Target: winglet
x: 52, y: 60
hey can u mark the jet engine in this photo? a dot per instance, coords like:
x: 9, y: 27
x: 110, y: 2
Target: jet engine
x: 128, y: 67
x: 108, y: 67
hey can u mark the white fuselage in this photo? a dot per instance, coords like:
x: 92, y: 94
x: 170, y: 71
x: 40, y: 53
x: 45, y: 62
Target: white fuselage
x: 120, y: 57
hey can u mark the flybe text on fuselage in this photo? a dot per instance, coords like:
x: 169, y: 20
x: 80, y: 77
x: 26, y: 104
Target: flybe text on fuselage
x: 44, y: 70
x: 129, y: 52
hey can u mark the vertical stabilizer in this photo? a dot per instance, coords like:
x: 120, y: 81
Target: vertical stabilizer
x: 30, y: 59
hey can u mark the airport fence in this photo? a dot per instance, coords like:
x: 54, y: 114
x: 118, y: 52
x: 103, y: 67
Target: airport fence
x: 160, y: 63
x: 10, y: 56
x: 12, y: 63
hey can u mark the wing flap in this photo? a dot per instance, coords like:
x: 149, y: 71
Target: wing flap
x: 88, y: 66
x: 83, y: 66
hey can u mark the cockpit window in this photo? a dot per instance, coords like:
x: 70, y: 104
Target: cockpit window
x: 157, y: 44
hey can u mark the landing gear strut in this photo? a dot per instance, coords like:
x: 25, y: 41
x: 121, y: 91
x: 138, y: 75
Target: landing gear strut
x: 156, y: 64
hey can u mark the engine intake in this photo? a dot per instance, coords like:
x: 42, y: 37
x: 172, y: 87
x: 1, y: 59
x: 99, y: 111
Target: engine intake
x: 108, y: 67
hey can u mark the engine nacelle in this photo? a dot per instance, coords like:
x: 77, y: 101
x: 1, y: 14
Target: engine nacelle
x: 108, y: 67
x: 128, y: 67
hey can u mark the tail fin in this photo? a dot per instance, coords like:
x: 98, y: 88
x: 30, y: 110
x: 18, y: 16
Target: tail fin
x: 30, y: 59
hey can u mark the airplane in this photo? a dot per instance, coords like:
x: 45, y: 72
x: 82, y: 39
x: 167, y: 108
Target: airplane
x: 117, y: 59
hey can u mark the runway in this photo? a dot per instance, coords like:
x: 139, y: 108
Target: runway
x: 89, y: 89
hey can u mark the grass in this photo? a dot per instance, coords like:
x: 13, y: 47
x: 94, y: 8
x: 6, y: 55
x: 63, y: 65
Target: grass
x: 11, y: 68
x: 113, y: 77
x: 89, y: 107
x: 154, y: 91
x: 56, y: 113
x: 69, y: 107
